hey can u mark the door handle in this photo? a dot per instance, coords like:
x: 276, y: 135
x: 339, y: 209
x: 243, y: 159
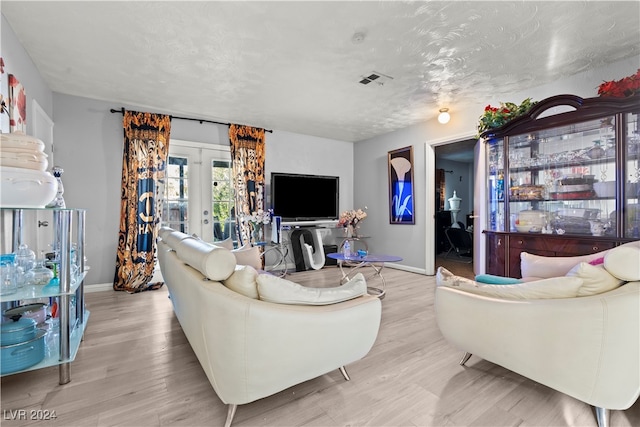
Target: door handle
x: 43, y: 223
x: 206, y: 221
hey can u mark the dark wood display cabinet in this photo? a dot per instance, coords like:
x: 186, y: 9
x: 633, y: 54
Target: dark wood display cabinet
x: 562, y: 180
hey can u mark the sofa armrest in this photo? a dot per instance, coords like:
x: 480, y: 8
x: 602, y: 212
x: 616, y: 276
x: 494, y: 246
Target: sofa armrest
x: 586, y: 347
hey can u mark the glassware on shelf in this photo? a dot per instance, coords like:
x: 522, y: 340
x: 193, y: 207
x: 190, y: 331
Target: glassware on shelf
x: 25, y: 258
x: 596, y: 152
x: 39, y: 275
x: 8, y: 280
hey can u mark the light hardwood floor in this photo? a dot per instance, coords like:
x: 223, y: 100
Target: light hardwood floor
x: 135, y: 368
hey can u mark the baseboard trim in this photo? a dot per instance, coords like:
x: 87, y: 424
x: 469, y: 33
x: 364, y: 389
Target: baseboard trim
x: 99, y: 287
x: 405, y: 268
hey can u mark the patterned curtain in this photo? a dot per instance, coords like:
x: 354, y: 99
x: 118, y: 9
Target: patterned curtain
x: 247, y: 156
x: 146, y: 145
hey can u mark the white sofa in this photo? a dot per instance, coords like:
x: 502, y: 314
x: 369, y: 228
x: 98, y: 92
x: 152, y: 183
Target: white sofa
x: 587, y: 347
x: 250, y: 348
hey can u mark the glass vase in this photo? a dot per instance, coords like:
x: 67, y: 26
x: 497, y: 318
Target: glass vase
x: 349, y: 231
x: 256, y: 234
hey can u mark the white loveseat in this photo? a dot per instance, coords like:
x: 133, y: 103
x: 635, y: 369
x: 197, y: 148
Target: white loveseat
x: 587, y: 347
x: 250, y: 348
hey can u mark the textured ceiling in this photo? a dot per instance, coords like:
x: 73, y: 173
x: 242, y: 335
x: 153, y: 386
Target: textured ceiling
x: 295, y: 66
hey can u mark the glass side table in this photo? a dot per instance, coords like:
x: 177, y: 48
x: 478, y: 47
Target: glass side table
x: 280, y: 252
x: 355, y: 262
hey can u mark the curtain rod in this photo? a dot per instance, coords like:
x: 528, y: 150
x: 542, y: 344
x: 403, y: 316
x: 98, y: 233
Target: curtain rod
x: 121, y: 111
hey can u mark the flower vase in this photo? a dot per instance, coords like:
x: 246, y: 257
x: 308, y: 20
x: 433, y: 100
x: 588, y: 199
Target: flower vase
x: 350, y: 231
x: 256, y: 234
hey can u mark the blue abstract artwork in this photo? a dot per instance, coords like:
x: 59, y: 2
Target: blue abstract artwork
x: 401, y: 201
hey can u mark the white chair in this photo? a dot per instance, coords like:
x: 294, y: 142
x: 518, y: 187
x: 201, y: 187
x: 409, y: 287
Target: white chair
x: 587, y: 347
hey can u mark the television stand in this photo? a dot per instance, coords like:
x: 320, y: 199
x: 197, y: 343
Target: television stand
x: 326, y: 223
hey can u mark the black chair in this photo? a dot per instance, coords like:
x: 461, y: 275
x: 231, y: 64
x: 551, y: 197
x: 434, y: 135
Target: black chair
x: 461, y: 243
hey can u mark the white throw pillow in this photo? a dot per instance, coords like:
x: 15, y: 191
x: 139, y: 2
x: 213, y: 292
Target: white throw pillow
x: 624, y: 261
x: 556, y: 287
x: 243, y: 281
x: 226, y: 243
x: 544, y: 266
x: 278, y: 290
x: 595, y: 279
x: 248, y: 255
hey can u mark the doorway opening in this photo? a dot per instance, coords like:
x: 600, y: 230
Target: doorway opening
x: 454, y: 229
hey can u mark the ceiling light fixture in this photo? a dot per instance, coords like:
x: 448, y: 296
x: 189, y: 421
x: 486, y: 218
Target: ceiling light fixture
x: 444, y: 116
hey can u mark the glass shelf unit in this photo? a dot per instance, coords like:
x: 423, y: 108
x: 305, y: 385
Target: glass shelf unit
x: 60, y: 233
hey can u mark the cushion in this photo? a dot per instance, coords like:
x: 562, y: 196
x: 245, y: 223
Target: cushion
x: 556, y: 287
x: 278, y: 290
x: 212, y: 261
x: 624, y: 261
x: 496, y: 280
x: 541, y: 266
x: 243, y: 281
x: 248, y: 255
x: 595, y: 279
x: 226, y: 243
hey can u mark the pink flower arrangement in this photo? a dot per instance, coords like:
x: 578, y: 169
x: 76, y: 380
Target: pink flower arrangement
x: 352, y: 218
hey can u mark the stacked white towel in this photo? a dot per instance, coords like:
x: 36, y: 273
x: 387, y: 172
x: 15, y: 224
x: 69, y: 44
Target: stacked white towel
x: 24, y: 180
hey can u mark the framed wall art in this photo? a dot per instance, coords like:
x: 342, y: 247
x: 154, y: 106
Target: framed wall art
x: 401, y: 201
x: 17, y: 106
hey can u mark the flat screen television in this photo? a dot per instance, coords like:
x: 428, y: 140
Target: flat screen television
x: 297, y: 197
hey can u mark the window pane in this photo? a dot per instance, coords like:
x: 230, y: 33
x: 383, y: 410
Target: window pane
x: 222, y: 196
x: 174, y: 210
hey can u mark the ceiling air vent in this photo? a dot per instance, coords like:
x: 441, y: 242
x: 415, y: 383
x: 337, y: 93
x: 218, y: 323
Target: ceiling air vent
x: 376, y: 77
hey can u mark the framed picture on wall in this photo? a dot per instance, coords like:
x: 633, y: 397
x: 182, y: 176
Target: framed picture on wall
x: 401, y: 201
x: 17, y: 106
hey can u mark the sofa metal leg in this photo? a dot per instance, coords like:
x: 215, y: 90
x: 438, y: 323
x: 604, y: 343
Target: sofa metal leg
x: 343, y: 371
x: 231, y: 411
x: 602, y: 415
x: 465, y: 358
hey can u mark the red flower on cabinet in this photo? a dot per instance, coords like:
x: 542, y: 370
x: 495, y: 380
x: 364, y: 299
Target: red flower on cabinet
x: 628, y: 86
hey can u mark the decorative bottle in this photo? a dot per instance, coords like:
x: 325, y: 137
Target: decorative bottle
x: 346, y: 248
x: 58, y: 201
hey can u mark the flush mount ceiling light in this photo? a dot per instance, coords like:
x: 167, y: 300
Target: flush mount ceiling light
x: 444, y: 116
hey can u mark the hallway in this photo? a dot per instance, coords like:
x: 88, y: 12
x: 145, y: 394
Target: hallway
x: 458, y: 268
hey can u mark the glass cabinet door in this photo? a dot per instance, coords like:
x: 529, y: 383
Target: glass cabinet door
x: 632, y: 186
x: 563, y: 180
x: 496, y: 188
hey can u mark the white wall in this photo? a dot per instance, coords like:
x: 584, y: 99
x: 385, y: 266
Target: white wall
x: 18, y: 63
x: 372, y: 190
x: 296, y: 153
x: 89, y: 143
x: 371, y: 186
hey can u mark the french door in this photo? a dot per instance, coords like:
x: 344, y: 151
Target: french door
x: 199, y: 195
